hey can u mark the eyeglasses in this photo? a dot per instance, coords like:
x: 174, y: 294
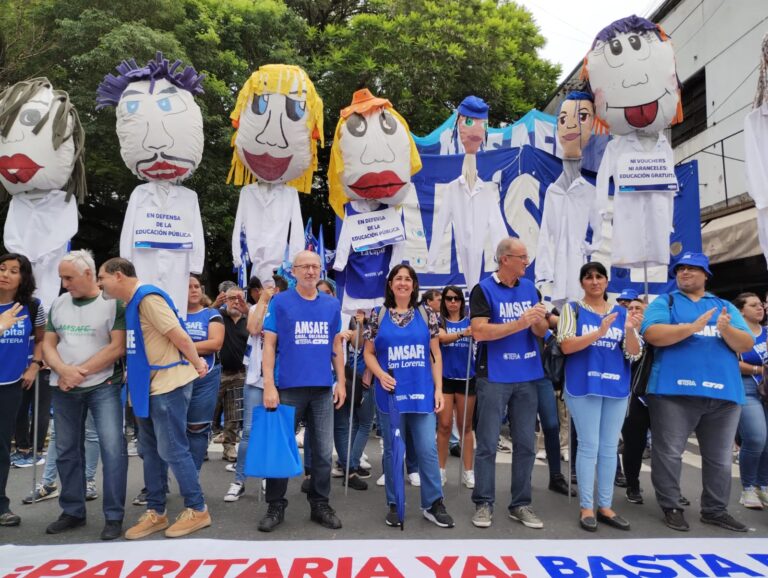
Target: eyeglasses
x: 523, y: 258
x: 307, y: 267
x: 452, y: 298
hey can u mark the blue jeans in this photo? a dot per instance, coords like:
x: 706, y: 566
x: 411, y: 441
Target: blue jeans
x: 252, y: 397
x: 520, y: 400
x: 411, y: 463
x: 550, y: 425
x: 50, y: 473
x: 422, y: 431
x: 598, y: 423
x: 753, y: 429
x: 71, y: 409
x: 316, y: 403
x: 163, y: 440
x: 200, y: 413
x: 361, y: 429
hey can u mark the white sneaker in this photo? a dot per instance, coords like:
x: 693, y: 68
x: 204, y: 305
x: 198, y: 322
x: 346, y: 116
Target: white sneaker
x: 300, y: 437
x: 232, y: 467
x: 443, y: 476
x: 749, y: 499
x: 364, y: 463
x: 762, y: 493
x: 236, y: 489
x: 337, y: 472
x: 541, y: 455
x: 564, y: 456
x: 468, y: 478
x: 415, y: 479
x: 380, y: 481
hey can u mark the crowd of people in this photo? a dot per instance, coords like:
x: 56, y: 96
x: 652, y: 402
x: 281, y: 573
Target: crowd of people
x: 446, y: 374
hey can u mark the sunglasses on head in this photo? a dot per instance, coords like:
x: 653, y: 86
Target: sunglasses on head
x: 452, y: 298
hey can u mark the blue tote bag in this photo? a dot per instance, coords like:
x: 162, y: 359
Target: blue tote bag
x: 272, y: 450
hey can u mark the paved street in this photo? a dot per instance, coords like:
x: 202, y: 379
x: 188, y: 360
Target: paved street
x: 362, y: 512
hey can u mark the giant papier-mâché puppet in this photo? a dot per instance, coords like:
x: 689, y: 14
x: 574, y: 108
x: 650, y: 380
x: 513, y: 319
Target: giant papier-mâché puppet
x: 631, y: 72
x: 468, y: 205
x: 160, y: 128
x: 279, y: 119
x: 569, y: 207
x: 372, y: 160
x: 41, y: 167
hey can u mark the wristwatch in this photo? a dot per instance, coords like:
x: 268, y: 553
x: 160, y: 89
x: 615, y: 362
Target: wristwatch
x: 39, y: 362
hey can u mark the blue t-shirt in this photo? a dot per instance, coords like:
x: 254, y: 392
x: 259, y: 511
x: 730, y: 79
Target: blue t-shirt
x: 305, y: 331
x: 197, y: 327
x: 701, y: 365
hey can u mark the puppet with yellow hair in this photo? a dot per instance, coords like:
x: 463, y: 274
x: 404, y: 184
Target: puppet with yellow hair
x: 372, y: 160
x: 278, y: 120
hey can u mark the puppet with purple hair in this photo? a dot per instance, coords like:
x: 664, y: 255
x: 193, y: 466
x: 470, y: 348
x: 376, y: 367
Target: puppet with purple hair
x: 160, y: 128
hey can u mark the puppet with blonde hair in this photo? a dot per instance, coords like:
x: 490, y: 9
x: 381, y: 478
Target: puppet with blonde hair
x: 41, y: 167
x: 631, y: 72
x: 279, y: 119
x: 372, y: 160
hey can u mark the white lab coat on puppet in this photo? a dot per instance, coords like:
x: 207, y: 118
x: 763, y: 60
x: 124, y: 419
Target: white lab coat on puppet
x: 160, y: 128
x: 631, y: 63
x: 372, y: 160
x: 756, y: 150
x: 41, y: 148
x: 279, y: 118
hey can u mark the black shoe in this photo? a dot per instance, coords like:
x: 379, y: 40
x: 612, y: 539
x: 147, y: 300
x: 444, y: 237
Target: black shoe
x: 616, y: 521
x: 684, y: 501
x: 9, y: 519
x: 558, y: 484
x: 455, y: 451
x: 306, y: 484
x: 324, y: 515
x: 438, y: 515
x: 573, y: 478
x: 113, y: 529
x: 634, y: 496
x: 363, y: 473
x: 273, y: 518
x: 621, y: 480
x: 355, y: 482
x: 392, y: 519
x: 589, y: 524
x: 674, y: 519
x: 64, y: 523
x: 141, y: 498
x: 724, y: 520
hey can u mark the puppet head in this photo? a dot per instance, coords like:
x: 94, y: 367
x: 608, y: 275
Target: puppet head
x: 574, y: 123
x: 159, y: 124
x: 373, y: 154
x: 472, y: 123
x: 41, y: 140
x: 631, y: 72
x: 279, y: 118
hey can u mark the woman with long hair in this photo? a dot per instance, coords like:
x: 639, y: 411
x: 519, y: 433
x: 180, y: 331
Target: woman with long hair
x: 22, y: 327
x: 458, y: 367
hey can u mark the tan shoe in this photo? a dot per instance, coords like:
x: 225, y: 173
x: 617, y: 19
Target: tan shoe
x: 187, y: 522
x: 149, y: 523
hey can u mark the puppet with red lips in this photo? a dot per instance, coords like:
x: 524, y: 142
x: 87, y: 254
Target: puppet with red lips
x: 631, y: 72
x: 372, y: 160
x: 279, y: 119
x: 41, y: 166
x: 160, y: 128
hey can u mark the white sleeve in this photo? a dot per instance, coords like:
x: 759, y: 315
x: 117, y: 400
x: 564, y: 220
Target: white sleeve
x: 544, y: 270
x: 602, y: 185
x: 296, y: 239
x: 496, y: 227
x: 239, y: 223
x: 596, y: 222
x: 126, y: 235
x: 442, y: 224
x: 398, y: 254
x: 756, y: 160
x: 343, y: 245
x: 197, y: 263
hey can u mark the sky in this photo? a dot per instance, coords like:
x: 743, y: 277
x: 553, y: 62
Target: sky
x: 570, y: 26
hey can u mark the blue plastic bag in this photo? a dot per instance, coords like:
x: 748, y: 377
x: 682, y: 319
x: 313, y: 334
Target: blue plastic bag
x: 272, y: 450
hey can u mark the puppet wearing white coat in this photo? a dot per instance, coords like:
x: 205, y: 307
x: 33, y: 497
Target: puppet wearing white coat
x: 41, y: 166
x: 160, y: 128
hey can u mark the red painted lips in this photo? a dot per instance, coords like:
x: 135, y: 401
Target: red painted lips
x: 642, y: 115
x: 18, y: 168
x: 377, y: 185
x: 164, y: 171
x: 266, y: 166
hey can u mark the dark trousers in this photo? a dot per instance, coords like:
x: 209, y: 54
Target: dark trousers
x: 635, y: 434
x: 25, y: 421
x: 10, y: 398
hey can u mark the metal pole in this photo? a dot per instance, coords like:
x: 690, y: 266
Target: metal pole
x: 464, y: 420
x: 571, y: 458
x: 645, y: 280
x: 358, y: 328
x: 35, y: 420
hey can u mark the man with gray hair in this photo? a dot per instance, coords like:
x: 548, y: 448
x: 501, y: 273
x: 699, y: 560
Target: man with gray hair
x: 84, y: 343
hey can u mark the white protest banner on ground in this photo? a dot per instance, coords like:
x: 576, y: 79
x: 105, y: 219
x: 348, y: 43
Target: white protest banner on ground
x: 161, y: 230
x: 700, y: 557
x: 375, y: 229
x: 650, y: 171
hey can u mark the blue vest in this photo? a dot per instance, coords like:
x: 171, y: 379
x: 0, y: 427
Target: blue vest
x: 455, y: 354
x: 305, y: 332
x: 17, y: 346
x: 600, y: 369
x: 139, y: 368
x: 701, y: 365
x: 197, y: 324
x: 757, y: 355
x: 514, y: 358
x: 403, y: 352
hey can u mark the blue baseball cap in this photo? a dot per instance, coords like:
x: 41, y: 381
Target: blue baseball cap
x: 691, y: 259
x: 627, y: 295
x: 473, y: 107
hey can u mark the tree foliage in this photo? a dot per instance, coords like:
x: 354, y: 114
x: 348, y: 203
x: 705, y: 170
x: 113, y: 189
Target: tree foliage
x: 424, y: 55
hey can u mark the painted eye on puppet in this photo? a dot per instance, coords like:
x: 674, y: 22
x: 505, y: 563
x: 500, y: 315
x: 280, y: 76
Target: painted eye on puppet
x: 562, y: 118
x: 295, y: 108
x: 388, y: 122
x: 131, y: 106
x: 164, y: 104
x: 357, y: 125
x: 259, y: 104
x: 584, y: 116
x: 30, y: 117
x: 635, y: 42
x: 171, y: 105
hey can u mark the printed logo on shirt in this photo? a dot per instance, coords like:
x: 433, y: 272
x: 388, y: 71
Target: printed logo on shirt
x: 712, y: 385
x: 14, y: 334
x: 196, y: 329
x: 686, y: 382
x: 604, y: 375
x: 462, y: 342
x: 311, y: 333
x: 511, y: 356
x: 511, y: 311
x: 709, y: 331
x: 76, y: 330
x: 402, y: 356
x: 614, y: 334
x: 410, y: 396
x: 130, y: 340
x: 760, y: 349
